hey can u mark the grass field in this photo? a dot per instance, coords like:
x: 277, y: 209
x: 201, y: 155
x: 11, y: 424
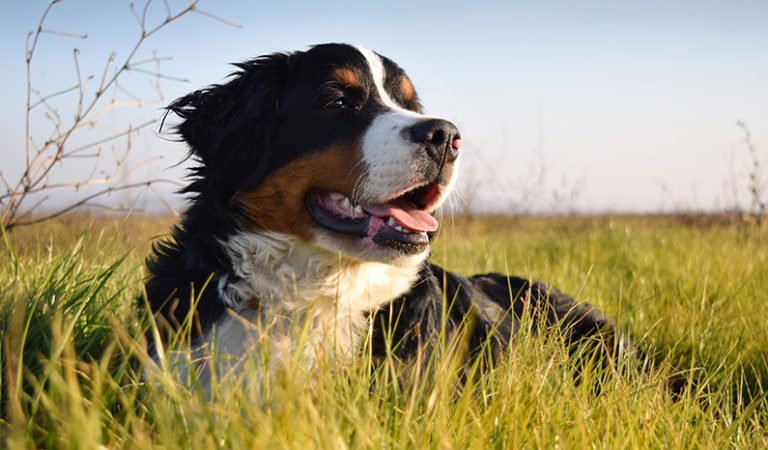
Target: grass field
x: 693, y: 292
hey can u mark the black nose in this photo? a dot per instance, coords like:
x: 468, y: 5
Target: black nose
x: 439, y: 138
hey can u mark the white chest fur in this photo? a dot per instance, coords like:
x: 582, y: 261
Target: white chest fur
x: 300, y: 289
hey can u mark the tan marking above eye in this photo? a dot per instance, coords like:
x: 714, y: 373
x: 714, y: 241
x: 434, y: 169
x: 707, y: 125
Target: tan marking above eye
x: 406, y: 88
x: 346, y: 76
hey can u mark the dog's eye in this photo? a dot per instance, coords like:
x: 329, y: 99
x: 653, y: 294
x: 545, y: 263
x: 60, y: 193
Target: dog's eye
x: 343, y: 103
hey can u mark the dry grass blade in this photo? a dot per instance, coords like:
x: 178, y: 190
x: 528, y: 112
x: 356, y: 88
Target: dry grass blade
x: 72, y: 289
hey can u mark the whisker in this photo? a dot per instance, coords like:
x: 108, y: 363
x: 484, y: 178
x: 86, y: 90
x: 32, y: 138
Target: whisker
x: 358, y: 186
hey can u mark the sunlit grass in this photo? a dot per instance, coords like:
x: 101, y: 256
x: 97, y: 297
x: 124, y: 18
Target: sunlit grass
x: 693, y: 295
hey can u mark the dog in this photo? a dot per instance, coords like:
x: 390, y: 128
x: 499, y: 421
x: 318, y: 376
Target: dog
x: 313, y: 197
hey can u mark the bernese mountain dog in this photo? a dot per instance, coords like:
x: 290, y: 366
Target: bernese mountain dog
x: 313, y: 198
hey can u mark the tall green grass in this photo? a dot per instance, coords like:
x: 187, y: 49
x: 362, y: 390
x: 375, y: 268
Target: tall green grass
x: 693, y: 295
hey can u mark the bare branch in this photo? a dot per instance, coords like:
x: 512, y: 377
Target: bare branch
x: 35, y: 36
x: 109, y: 207
x: 125, y: 91
x: 80, y: 87
x: 50, y: 96
x: 110, y: 60
x: 65, y: 34
x: 5, y: 182
x: 136, y: 167
x: 755, y: 183
x: 36, y: 33
x: 164, y: 202
x: 151, y: 60
x: 132, y: 7
x: 167, y: 9
x: 108, y: 107
x: 34, y: 207
x: 45, y: 155
x: 85, y: 201
x: 144, y: 35
x: 220, y: 19
x: 111, y: 138
x: 44, y: 101
x: 144, y: 15
x: 157, y: 74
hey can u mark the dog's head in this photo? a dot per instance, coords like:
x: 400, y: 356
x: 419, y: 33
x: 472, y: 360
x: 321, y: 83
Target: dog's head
x: 329, y: 145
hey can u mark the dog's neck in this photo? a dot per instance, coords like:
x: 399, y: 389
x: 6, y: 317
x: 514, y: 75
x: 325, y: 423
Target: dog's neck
x: 290, y: 278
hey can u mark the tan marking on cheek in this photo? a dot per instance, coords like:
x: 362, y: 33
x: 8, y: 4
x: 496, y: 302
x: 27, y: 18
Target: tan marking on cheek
x: 278, y: 203
x: 406, y: 88
x: 346, y: 76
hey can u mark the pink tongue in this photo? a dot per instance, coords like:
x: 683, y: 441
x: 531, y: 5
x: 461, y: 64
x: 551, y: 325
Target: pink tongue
x: 405, y: 214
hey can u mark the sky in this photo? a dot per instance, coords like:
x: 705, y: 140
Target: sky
x: 563, y: 106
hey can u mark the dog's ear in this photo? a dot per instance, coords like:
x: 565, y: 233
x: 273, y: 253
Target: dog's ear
x: 227, y: 126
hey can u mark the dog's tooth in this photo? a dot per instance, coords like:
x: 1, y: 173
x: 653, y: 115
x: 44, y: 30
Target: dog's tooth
x: 346, y: 203
x: 336, y: 196
x: 403, y: 230
x: 391, y: 222
x: 358, y: 210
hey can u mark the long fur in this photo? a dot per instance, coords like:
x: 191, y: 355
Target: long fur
x: 237, y: 279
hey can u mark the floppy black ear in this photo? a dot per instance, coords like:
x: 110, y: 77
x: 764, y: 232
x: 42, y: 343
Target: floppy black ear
x: 227, y: 126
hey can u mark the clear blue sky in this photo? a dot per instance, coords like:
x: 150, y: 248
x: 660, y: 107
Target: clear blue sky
x: 634, y: 102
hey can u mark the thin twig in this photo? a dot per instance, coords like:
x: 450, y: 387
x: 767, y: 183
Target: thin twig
x: 164, y: 202
x: 151, y: 60
x: 755, y: 184
x: 80, y: 87
x: 108, y: 107
x: 157, y: 74
x: 43, y: 156
x: 65, y: 34
x: 110, y: 60
x: 30, y: 52
x: 86, y: 200
x: 220, y: 19
x: 50, y: 96
x: 34, y: 207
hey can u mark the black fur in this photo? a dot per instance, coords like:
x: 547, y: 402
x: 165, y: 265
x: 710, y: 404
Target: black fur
x: 489, y: 309
x: 268, y: 114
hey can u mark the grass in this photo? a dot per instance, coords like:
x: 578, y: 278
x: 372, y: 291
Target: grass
x: 692, y: 293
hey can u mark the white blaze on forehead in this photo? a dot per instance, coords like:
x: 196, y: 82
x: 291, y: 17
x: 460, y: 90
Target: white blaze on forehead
x: 379, y: 73
x: 393, y: 161
x: 391, y: 158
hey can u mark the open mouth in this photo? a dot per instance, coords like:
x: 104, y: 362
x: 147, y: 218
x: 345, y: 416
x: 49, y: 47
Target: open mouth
x: 402, y: 222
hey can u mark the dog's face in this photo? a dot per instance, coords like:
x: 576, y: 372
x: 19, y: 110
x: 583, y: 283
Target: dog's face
x: 328, y: 145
